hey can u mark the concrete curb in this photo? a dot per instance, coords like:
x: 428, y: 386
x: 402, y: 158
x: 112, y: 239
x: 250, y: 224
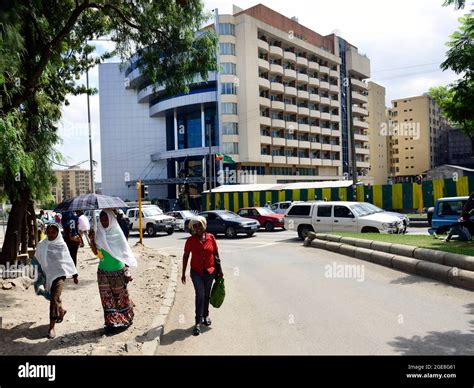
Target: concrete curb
x: 155, y: 334
x: 450, y: 268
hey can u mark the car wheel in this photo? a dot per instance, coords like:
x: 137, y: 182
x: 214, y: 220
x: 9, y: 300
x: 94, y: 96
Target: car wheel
x: 170, y: 232
x: 370, y: 229
x: 230, y: 232
x: 250, y: 234
x: 269, y: 227
x: 150, y: 230
x: 304, y: 230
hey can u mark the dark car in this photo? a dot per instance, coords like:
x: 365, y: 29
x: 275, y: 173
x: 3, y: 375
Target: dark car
x: 267, y: 218
x: 228, y: 223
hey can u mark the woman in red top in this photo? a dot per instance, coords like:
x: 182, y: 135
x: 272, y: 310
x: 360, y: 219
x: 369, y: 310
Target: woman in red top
x: 205, y: 266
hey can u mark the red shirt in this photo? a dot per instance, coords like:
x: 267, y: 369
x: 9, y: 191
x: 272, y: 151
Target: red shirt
x: 203, y: 253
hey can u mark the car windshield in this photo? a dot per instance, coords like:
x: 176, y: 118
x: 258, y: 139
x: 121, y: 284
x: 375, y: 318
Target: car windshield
x: 360, y: 210
x: 152, y: 212
x: 187, y: 214
x: 371, y: 208
x: 265, y: 212
x: 227, y: 215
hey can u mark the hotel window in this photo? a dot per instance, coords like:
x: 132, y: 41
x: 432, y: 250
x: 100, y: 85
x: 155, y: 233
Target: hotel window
x: 229, y: 68
x: 227, y: 49
x: 230, y: 148
x: 228, y: 88
x: 229, y: 108
x: 226, y: 29
x: 230, y: 129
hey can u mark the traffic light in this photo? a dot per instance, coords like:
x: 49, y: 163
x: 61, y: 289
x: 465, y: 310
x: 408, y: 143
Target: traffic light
x: 144, y: 192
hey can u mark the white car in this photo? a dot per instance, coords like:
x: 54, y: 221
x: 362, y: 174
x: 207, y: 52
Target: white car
x: 181, y: 216
x: 338, y: 216
x: 282, y: 207
x: 153, y: 220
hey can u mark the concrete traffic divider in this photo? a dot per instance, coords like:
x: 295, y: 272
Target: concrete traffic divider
x: 348, y: 250
x: 321, y: 244
x: 333, y: 238
x: 429, y: 255
x: 348, y: 240
x: 333, y: 246
x: 381, y: 246
x: 402, y: 250
x: 459, y: 261
x: 382, y: 258
x: 461, y: 278
x: 363, y: 253
x: 360, y: 243
x: 321, y: 236
x: 405, y: 264
x: 433, y: 270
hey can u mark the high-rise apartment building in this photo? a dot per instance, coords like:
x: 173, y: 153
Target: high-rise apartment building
x: 71, y: 183
x: 279, y: 106
x: 416, y: 130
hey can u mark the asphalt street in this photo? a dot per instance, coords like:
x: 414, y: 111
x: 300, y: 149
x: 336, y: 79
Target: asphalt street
x: 283, y: 298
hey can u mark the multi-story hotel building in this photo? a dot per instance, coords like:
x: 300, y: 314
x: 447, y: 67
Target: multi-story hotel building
x: 71, y: 183
x: 280, y: 105
x: 417, y: 128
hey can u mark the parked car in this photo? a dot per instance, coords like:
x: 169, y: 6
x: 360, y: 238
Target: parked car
x: 180, y: 217
x: 228, y: 223
x: 446, y: 212
x: 339, y: 216
x: 153, y: 220
x: 282, y: 207
x: 375, y: 209
x: 267, y: 218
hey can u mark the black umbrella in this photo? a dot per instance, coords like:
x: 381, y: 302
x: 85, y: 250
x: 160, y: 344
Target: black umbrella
x: 90, y: 202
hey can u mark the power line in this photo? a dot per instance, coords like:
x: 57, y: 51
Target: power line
x: 409, y: 74
x: 406, y: 67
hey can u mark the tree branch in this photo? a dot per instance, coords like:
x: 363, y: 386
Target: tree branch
x: 122, y: 16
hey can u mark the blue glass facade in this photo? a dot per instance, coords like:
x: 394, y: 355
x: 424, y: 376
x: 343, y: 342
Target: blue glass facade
x: 344, y: 100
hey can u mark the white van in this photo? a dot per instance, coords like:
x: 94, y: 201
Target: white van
x: 338, y: 216
x: 153, y: 220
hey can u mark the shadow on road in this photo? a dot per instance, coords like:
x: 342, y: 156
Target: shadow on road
x: 452, y: 342
x: 414, y: 279
x: 176, y: 335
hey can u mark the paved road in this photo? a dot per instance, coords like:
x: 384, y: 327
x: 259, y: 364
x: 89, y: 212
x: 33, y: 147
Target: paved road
x: 281, y: 299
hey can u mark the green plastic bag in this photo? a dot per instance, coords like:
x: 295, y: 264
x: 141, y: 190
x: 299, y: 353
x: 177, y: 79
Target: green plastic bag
x: 218, y: 293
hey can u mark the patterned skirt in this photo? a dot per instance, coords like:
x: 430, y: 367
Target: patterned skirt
x: 116, y: 302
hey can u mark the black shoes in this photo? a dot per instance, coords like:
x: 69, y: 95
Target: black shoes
x: 197, y: 330
x: 207, y: 321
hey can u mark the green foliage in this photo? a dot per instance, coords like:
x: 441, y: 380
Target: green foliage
x: 458, y: 4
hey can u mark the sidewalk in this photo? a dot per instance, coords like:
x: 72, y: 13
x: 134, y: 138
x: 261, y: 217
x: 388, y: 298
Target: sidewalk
x: 25, y: 316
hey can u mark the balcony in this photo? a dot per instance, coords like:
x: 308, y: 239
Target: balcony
x: 315, y: 129
x: 276, y: 69
x: 302, y: 78
x: 324, y: 85
x: 360, y: 111
x: 276, y: 51
x: 277, y: 87
x: 304, y: 127
x: 292, y: 126
x: 278, y: 105
x: 334, y: 73
x: 357, y: 63
x: 324, y: 70
x: 303, y: 94
x: 336, y: 118
x: 326, y: 131
x: 279, y: 159
x: 362, y: 151
x: 293, y: 160
x: 316, y: 146
x: 267, y: 121
x: 305, y: 161
x: 363, y: 164
x: 262, y: 45
x: 266, y: 159
x: 289, y: 56
x: 291, y: 108
x: 326, y: 147
x: 314, y: 97
x: 278, y: 123
x: 334, y: 88
x: 335, y: 104
x: 313, y: 65
x: 337, y: 163
x: 279, y: 141
x: 265, y: 102
x: 290, y: 74
x: 303, y: 111
x: 359, y: 137
x: 302, y: 61
x: 335, y: 133
x: 292, y: 143
x: 291, y: 91
x: 359, y: 98
x: 325, y: 101
x: 264, y: 83
x: 360, y: 84
x: 327, y: 162
x: 315, y: 114
x: 335, y: 148
x: 316, y: 162
x: 304, y: 144
x: 325, y: 116
x: 265, y: 140
x: 360, y: 124
x: 313, y: 81
x: 263, y: 64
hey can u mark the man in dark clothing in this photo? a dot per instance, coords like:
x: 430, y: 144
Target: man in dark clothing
x: 124, y: 223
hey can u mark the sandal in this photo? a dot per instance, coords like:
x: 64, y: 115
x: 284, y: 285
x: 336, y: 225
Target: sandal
x: 60, y: 319
x: 51, y: 334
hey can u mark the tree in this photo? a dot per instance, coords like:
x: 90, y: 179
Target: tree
x: 457, y: 99
x: 44, y: 49
x: 458, y: 4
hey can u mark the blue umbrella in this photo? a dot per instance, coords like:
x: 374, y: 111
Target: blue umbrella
x: 90, y: 202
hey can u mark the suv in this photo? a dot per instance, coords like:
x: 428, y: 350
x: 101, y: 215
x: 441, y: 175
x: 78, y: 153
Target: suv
x: 282, y: 207
x: 445, y: 213
x: 153, y: 220
x: 338, y: 216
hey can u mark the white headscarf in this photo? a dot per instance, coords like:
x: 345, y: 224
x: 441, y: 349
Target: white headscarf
x: 112, y: 240
x: 55, y: 259
x: 197, y: 220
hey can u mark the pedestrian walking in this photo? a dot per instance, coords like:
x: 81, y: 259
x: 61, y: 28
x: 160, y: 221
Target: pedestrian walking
x: 71, y: 234
x: 124, y: 223
x: 205, y: 267
x: 113, y: 275
x: 268, y: 205
x: 56, y: 264
x: 84, y: 226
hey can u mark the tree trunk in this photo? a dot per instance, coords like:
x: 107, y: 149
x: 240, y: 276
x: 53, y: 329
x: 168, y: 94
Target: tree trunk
x: 24, y: 233
x: 32, y: 227
x: 13, y: 232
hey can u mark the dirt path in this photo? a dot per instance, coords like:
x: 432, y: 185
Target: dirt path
x: 25, y: 316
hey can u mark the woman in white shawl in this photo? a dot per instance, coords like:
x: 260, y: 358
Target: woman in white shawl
x: 116, y: 257
x: 56, y: 263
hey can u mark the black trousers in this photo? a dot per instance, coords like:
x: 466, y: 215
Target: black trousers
x: 202, y: 287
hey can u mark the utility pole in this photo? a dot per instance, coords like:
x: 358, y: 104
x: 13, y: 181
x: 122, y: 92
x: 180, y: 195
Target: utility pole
x: 140, y: 222
x: 210, y: 164
x: 352, y: 141
x: 91, y: 160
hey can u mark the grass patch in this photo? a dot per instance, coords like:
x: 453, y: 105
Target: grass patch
x: 417, y: 215
x: 461, y: 247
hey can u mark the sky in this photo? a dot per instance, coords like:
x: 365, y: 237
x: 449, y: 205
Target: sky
x: 404, y: 40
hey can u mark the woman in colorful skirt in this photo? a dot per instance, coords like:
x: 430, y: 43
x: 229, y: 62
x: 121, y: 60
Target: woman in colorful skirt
x: 110, y: 245
x: 55, y: 265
